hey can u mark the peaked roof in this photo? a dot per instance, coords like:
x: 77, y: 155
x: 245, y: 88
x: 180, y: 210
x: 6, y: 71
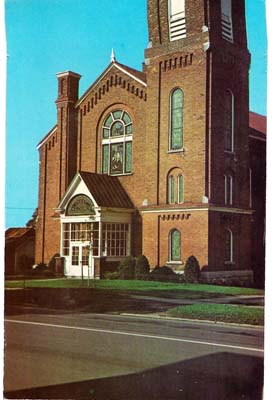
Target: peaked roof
x: 106, y: 190
x: 257, y: 122
x: 133, y: 73
x: 14, y: 234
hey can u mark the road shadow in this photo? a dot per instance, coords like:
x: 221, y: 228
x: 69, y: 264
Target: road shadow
x: 46, y: 301
x: 220, y: 376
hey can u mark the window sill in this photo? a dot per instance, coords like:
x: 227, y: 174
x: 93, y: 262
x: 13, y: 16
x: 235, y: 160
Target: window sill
x: 126, y: 174
x: 176, y: 151
x: 229, y: 262
x: 174, y: 263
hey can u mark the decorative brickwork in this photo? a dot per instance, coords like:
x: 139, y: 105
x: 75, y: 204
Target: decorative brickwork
x: 205, y: 66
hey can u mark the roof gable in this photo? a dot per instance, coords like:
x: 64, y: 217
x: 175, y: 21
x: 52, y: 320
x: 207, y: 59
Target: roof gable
x: 104, y: 190
x: 138, y: 76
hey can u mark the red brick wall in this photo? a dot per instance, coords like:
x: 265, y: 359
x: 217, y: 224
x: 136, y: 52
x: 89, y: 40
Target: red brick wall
x: 193, y: 226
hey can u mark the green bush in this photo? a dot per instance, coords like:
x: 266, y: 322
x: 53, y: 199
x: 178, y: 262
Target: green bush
x: 142, y: 267
x: 126, y: 269
x: 111, y: 275
x: 52, y: 262
x: 192, y: 270
x: 163, y: 274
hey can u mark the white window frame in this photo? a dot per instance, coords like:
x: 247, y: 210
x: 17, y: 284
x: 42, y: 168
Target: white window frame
x: 124, y: 139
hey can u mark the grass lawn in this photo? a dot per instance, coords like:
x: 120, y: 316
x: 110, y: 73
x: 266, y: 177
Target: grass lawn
x: 221, y: 313
x: 147, y: 287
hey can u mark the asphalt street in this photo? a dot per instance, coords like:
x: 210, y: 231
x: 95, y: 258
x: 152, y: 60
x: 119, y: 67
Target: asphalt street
x: 97, y: 356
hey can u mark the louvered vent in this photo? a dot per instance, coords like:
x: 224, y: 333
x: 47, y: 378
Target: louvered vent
x: 177, y: 26
x: 226, y: 27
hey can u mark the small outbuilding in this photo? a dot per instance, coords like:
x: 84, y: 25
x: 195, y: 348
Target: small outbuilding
x: 19, y: 250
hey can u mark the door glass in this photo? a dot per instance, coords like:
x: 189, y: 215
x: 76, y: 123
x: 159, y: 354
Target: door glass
x: 75, y: 255
x: 85, y: 255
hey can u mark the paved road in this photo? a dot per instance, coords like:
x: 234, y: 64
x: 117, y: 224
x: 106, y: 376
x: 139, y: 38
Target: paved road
x: 90, y: 356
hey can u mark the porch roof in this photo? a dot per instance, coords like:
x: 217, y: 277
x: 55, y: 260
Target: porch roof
x: 106, y: 190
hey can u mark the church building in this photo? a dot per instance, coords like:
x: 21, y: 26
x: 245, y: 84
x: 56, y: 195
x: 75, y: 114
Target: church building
x: 157, y: 161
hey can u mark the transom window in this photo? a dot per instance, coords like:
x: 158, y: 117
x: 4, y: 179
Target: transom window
x: 176, y: 119
x: 117, y: 143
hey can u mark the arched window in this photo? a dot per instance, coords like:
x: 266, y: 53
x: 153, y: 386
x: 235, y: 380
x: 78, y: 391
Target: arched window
x: 174, y: 245
x: 180, y: 181
x: 176, y: 118
x: 177, y: 20
x: 228, y: 189
x: 229, y: 246
x: 117, y: 143
x: 229, y: 121
x: 175, y: 186
x: 171, y: 190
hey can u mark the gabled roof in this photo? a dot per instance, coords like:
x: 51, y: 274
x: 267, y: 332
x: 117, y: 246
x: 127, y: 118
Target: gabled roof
x: 18, y: 234
x: 257, y: 125
x: 46, y: 137
x: 138, y: 76
x: 106, y: 190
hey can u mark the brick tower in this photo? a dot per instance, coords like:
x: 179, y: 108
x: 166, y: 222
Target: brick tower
x: 57, y: 166
x: 197, y: 168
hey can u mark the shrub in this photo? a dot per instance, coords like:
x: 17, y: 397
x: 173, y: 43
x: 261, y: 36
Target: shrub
x: 192, y: 270
x: 163, y: 274
x: 142, y: 267
x: 126, y: 269
x: 52, y: 262
x: 42, y: 270
x: 111, y: 275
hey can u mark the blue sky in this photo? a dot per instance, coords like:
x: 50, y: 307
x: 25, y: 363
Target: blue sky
x: 49, y: 36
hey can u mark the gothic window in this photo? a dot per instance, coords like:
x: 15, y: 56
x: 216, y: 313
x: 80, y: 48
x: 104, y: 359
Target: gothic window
x: 229, y: 246
x: 175, y: 186
x: 180, y: 181
x: 228, y: 189
x: 177, y: 20
x: 176, y: 119
x: 175, y: 245
x: 171, y: 189
x: 229, y: 121
x: 117, y: 143
x: 226, y: 20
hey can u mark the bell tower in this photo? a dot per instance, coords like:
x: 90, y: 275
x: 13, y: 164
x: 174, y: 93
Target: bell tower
x: 197, y: 65
x: 199, y: 46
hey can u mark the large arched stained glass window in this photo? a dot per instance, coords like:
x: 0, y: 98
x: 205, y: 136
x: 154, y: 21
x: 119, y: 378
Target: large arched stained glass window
x: 117, y: 143
x: 176, y: 128
x: 175, y: 245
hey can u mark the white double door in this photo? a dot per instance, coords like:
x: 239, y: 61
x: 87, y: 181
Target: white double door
x: 82, y: 262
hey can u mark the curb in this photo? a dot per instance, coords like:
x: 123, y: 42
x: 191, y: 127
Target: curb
x: 203, y: 321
